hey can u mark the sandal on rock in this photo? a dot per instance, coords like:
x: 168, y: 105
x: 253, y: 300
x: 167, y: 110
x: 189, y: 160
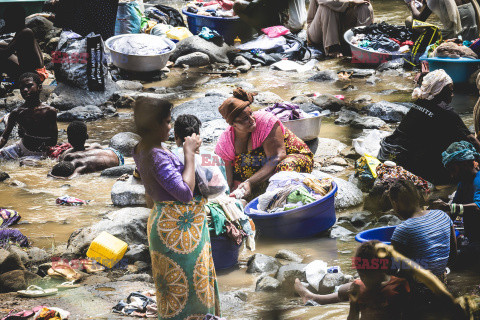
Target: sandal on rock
x: 35, y: 291
x: 19, y: 316
x: 64, y: 271
x: 68, y: 285
x: 92, y: 266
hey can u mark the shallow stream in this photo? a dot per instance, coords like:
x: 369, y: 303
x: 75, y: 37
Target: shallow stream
x: 49, y: 225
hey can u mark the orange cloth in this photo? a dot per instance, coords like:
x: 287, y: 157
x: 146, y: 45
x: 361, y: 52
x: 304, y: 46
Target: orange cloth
x: 43, y: 73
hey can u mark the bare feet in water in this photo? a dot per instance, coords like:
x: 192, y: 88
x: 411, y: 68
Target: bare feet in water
x: 303, y: 292
x: 335, y: 55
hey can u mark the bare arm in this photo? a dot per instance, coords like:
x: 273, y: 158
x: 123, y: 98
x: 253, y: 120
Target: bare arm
x: 190, y: 147
x: 12, y: 121
x: 354, y: 313
x: 52, y: 125
x: 417, y: 14
x: 474, y: 141
x: 275, y: 151
x: 229, y: 172
x: 453, y: 247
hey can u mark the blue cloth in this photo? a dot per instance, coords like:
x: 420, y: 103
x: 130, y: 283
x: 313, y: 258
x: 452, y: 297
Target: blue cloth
x: 426, y: 239
x: 121, y: 160
x: 469, y: 192
x: 459, y: 151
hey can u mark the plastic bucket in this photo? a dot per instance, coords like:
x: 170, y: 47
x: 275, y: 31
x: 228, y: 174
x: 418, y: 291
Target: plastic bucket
x: 228, y: 28
x: 383, y: 234
x: 303, y: 222
x: 224, y: 252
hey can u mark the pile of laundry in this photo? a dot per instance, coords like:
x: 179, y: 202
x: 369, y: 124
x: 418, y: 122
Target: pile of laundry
x: 272, y: 47
x: 383, y: 37
x: 70, y: 201
x: 291, y: 190
x: 40, y: 313
x: 138, y: 304
x: 454, y: 48
x: 212, y: 8
x: 288, y: 111
x: 8, y: 217
x: 13, y: 236
x: 141, y: 46
x: 225, y: 217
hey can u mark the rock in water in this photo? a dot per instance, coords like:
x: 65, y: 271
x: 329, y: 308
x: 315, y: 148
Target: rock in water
x: 86, y: 113
x: 129, y: 193
x: 330, y: 281
x: 324, y: 76
x: 267, y: 283
x: 205, y: 108
x: 17, y: 280
x: 287, y: 274
x: 128, y: 85
x: 118, y: 171
x: 389, y: 219
x: 267, y: 98
x: 330, y: 102
x: 345, y: 116
x: 66, y: 97
x: 37, y: 255
x: 348, y: 194
x: 387, y: 111
x: 124, y: 142
x: 261, y: 263
x: 339, y: 232
x: 198, y: 44
x: 195, y: 59
x: 367, y: 122
x: 127, y: 224
x: 4, y: 176
x: 288, y: 255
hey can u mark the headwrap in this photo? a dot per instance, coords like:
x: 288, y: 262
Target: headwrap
x: 233, y: 106
x: 460, y: 151
x: 447, y: 12
x: 433, y: 83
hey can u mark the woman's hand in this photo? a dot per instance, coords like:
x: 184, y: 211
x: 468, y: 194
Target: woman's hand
x: 359, y: 1
x: 440, y: 205
x: 247, y: 188
x: 192, y: 144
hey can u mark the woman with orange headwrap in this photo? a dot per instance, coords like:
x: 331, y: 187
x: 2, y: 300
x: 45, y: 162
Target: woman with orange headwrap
x: 257, y: 145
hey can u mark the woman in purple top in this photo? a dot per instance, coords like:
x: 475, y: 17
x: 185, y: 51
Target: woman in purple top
x: 178, y: 236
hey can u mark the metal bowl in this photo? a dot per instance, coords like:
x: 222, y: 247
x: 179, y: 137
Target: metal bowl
x: 306, y: 129
x: 138, y: 63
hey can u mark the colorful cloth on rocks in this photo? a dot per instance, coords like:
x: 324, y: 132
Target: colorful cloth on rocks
x: 8, y: 217
x: 70, y: 201
x: 299, y: 158
x: 460, y: 151
x: 8, y: 236
x: 386, y: 173
x: 56, y: 151
x: 182, y: 263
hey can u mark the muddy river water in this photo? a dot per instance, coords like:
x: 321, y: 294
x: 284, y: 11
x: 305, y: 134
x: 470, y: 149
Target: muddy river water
x: 33, y: 194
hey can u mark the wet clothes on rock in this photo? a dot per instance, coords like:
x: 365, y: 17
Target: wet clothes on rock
x: 328, y: 20
x: 8, y: 236
x: 138, y: 305
x: 387, y: 303
x: 424, y: 133
x: 179, y: 240
x: 469, y: 192
x: 427, y: 239
x: 56, y: 151
x: 85, y: 16
x: 8, y: 217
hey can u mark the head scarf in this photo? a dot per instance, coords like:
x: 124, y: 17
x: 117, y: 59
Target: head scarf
x: 447, y: 12
x: 459, y: 151
x: 233, y: 106
x: 433, y: 83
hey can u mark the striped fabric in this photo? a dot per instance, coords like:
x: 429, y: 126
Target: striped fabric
x: 426, y: 239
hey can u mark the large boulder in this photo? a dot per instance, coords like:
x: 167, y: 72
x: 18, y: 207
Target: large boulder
x: 66, y: 97
x: 198, y: 44
x: 11, y: 102
x: 287, y: 274
x: 37, y: 255
x: 17, y: 280
x: 84, y: 113
x: 324, y: 148
x: 205, y: 108
x: 118, y: 171
x: 339, y: 232
x: 194, y: 59
x: 267, y: 283
x: 330, y: 102
x: 124, y: 142
x: 10, y: 261
x: 330, y: 281
x: 261, y: 263
x: 137, y: 252
x: 129, y: 193
x: 127, y: 224
x: 346, y: 116
x: 348, y: 194
x: 367, y: 122
x: 267, y: 98
x: 128, y: 85
x: 387, y: 111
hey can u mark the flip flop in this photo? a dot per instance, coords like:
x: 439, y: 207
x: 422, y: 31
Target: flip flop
x: 64, y: 271
x: 19, y: 316
x: 68, y: 285
x: 35, y: 291
x: 92, y: 266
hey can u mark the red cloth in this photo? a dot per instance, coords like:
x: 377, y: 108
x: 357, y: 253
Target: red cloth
x: 211, y: 3
x: 407, y: 43
x: 393, y: 39
x: 391, y: 299
x: 226, y: 4
x: 56, y: 151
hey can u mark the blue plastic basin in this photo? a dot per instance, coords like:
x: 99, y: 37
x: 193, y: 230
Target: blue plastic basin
x: 303, y: 222
x: 224, y: 252
x: 459, y: 69
x: 383, y: 234
x: 228, y: 28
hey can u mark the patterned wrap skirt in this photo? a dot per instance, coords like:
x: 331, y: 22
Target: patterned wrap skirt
x: 299, y: 158
x: 182, y: 264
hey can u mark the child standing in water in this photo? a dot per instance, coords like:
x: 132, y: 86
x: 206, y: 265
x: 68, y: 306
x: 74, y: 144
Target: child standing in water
x: 376, y: 295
